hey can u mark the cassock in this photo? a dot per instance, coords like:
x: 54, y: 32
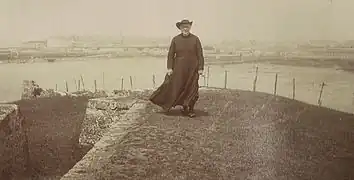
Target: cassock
x: 185, y: 58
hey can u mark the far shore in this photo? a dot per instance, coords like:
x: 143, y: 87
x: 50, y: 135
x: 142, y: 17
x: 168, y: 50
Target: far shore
x: 318, y: 62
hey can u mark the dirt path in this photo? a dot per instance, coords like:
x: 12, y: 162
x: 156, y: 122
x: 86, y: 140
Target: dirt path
x: 237, y: 135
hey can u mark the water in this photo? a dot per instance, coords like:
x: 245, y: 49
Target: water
x: 337, y: 94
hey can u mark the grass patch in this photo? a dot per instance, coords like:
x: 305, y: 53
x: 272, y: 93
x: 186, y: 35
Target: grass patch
x: 53, y: 127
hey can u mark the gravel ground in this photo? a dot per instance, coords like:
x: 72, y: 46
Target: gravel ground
x: 238, y: 135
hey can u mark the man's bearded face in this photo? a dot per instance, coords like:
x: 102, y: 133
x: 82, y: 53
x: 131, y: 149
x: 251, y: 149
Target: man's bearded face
x: 185, y: 29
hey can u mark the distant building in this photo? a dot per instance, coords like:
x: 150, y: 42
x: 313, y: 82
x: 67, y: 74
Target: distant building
x: 347, y: 44
x: 8, y: 54
x: 36, y: 44
x: 5, y: 55
x: 322, y: 43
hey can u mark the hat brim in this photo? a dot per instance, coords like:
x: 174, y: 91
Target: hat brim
x: 178, y: 24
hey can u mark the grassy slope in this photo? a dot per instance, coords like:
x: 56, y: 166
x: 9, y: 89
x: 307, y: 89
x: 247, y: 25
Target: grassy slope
x: 53, y: 131
x: 241, y: 135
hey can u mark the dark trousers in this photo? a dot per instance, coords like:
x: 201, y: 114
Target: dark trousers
x: 192, y: 103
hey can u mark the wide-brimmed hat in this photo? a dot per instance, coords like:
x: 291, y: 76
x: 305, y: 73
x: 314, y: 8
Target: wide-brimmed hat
x: 184, y: 21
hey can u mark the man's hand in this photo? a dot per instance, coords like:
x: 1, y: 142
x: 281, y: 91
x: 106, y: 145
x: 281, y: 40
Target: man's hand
x: 200, y: 72
x: 169, y: 71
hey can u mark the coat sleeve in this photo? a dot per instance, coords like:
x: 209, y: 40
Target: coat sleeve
x: 200, y: 55
x: 171, y: 54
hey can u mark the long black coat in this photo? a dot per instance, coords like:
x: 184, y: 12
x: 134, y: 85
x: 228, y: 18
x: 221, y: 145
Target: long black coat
x: 185, y: 58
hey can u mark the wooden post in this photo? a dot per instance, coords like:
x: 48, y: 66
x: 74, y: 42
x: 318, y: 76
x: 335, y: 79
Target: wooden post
x: 103, y: 85
x: 293, y: 88
x: 95, y: 84
x: 56, y: 87
x: 208, y: 72
x: 75, y: 84
x: 131, y: 82
x: 66, y: 86
x: 153, y: 81
x: 320, y: 96
x: 122, y: 84
x: 275, y: 84
x: 255, y: 80
x: 78, y: 85
x: 225, y: 80
x: 83, y: 82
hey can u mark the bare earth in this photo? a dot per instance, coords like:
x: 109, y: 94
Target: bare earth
x: 237, y: 135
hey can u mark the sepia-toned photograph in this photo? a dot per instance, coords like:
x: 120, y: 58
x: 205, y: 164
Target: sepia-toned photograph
x: 176, y: 90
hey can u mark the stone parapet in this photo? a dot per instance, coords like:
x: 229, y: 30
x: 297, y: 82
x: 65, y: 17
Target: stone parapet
x: 89, y: 94
x: 136, y: 93
x: 13, y: 142
x: 100, y: 114
x: 32, y: 90
x: 103, y: 150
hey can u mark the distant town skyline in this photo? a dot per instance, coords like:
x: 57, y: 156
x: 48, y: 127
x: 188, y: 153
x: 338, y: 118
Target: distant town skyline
x: 214, y: 20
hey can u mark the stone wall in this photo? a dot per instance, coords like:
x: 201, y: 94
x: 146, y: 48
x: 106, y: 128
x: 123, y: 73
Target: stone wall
x: 100, y: 114
x: 30, y: 88
x: 13, y: 142
x: 102, y: 151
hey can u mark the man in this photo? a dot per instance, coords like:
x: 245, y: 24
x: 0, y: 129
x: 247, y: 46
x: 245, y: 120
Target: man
x: 185, y: 63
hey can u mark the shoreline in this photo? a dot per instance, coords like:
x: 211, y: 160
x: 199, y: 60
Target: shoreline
x: 346, y: 65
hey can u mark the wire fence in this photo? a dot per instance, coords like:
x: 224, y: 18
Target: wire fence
x: 335, y: 95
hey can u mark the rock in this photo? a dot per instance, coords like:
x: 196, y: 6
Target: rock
x: 52, y: 93
x: 100, y: 114
x: 13, y: 142
x: 31, y: 90
x: 137, y: 93
x: 122, y: 93
x: 89, y: 94
x: 110, y: 103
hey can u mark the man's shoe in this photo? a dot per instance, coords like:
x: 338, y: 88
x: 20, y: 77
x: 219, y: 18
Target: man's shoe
x: 185, y: 110
x: 165, y: 110
x: 191, y: 114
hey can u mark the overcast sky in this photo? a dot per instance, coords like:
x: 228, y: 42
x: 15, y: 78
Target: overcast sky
x: 213, y: 19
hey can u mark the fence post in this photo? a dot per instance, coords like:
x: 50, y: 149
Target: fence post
x: 153, y: 81
x: 83, y: 82
x: 320, y: 96
x: 208, y: 76
x: 275, y: 84
x: 122, y: 84
x: 75, y: 84
x: 95, y: 84
x: 66, y: 86
x: 78, y: 85
x: 255, y: 80
x: 131, y: 82
x: 225, y: 80
x: 293, y: 88
x: 56, y: 87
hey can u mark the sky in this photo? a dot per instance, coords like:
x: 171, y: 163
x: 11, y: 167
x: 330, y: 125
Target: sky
x: 277, y: 20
